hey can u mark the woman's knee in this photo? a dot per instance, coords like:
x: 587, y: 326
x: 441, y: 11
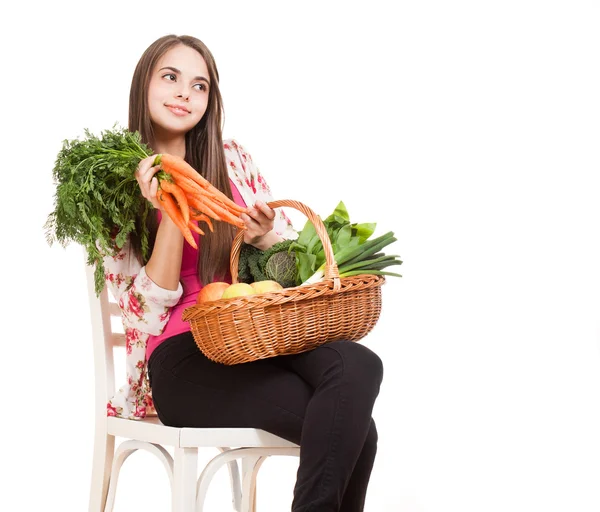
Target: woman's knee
x: 359, y: 359
x: 372, y: 438
x: 369, y: 449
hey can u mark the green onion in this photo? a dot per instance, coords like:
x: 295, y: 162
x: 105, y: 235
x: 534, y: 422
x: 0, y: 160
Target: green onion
x: 377, y: 272
x: 355, y: 257
x: 381, y: 262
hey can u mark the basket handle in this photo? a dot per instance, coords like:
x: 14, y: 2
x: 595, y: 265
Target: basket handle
x: 331, y: 269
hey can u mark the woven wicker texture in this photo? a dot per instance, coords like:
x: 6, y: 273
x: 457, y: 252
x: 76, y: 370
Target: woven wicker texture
x: 288, y: 321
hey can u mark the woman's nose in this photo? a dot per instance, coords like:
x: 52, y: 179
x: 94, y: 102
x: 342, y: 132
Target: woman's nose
x: 184, y: 94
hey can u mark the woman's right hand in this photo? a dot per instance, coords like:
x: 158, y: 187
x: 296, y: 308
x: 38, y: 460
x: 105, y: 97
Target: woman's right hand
x: 148, y: 183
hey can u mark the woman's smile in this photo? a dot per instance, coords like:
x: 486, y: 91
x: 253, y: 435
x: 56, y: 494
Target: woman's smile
x: 178, y: 111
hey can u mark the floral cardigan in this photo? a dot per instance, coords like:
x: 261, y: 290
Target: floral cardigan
x: 145, y: 306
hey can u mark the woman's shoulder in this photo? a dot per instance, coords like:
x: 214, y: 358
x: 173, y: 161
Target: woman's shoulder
x: 239, y: 161
x: 231, y: 144
x: 233, y: 149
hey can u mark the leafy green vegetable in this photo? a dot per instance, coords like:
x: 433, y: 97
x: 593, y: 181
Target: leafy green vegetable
x: 276, y: 263
x: 249, y: 253
x: 281, y: 267
x: 283, y: 246
x: 353, y: 252
x: 255, y: 270
x: 306, y: 265
x: 97, y: 199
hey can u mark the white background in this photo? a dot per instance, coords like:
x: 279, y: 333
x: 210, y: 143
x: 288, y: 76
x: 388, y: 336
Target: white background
x: 470, y: 129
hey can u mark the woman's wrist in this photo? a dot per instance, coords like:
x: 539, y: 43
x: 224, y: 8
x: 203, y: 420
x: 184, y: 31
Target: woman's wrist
x: 267, y: 240
x: 167, y: 223
x: 164, y: 265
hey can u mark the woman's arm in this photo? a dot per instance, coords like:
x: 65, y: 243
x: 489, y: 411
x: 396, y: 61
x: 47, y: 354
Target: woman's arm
x: 267, y: 240
x: 249, y: 178
x: 260, y: 223
x: 164, y: 265
x: 144, y: 304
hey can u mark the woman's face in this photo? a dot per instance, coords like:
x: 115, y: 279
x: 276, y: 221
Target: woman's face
x: 180, y: 79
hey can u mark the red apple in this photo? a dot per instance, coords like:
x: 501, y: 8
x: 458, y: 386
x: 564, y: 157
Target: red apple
x: 212, y: 291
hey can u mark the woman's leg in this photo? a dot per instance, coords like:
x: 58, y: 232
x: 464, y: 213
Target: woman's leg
x: 321, y: 400
x: 356, y: 491
x: 334, y: 453
x: 189, y: 390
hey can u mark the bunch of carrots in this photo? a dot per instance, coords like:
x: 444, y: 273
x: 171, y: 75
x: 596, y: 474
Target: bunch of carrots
x: 186, y: 196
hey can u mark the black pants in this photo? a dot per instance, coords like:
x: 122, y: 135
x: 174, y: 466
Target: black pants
x: 321, y: 400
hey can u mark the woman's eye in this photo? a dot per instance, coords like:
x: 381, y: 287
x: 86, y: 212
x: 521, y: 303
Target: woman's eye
x: 201, y: 87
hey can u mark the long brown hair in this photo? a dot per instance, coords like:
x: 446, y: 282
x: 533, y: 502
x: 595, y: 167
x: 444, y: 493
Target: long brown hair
x: 203, y: 151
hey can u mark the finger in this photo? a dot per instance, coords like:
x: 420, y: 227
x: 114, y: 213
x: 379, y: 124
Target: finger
x: 253, y: 213
x: 142, y: 166
x: 147, y: 175
x: 145, y: 166
x: 153, y: 188
x: 145, y: 182
x: 248, y: 220
x: 261, y: 215
x: 151, y: 171
x: 155, y: 202
x: 266, y: 210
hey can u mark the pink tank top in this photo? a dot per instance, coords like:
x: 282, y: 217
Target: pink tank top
x: 190, y: 283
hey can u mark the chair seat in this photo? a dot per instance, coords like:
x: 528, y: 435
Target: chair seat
x: 242, y: 450
x: 152, y: 430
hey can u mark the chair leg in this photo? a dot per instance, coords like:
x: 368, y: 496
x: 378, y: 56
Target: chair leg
x: 236, y: 485
x: 104, y: 449
x: 125, y: 449
x: 250, y: 467
x: 252, y: 458
x: 234, y: 479
x: 185, y: 474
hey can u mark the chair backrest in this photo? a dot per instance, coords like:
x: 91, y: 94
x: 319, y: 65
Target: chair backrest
x: 105, y: 340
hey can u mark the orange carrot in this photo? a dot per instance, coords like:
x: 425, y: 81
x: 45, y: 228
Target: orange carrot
x: 207, y: 220
x: 176, y: 216
x: 231, y: 204
x: 234, y: 211
x: 188, y: 185
x: 192, y: 191
x: 179, y: 195
x: 227, y: 216
x: 216, y: 211
x: 216, y: 195
x: 170, y: 206
x: 203, y: 207
x: 198, y: 215
x: 194, y: 227
x: 177, y: 165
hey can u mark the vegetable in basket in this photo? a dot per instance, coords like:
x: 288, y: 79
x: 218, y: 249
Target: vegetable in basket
x: 302, y: 261
x: 98, y: 200
x: 276, y: 264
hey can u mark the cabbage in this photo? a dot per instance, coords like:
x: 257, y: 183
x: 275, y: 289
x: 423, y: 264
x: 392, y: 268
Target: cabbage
x: 281, y: 267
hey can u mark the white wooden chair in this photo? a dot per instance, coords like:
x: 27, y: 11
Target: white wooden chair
x: 188, y: 491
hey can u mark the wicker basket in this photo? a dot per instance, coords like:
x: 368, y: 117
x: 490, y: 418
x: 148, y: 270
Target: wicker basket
x: 288, y: 321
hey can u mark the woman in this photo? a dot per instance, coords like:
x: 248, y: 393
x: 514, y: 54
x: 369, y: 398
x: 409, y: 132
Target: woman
x: 321, y: 399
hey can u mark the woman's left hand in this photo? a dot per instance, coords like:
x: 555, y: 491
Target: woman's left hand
x: 259, y: 221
